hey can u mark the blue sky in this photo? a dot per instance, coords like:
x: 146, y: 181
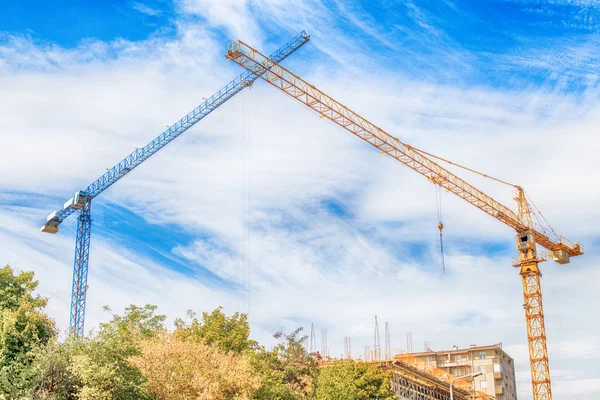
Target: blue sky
x: 499, y: 43
x: 68, y: 22
x: 265, y: 195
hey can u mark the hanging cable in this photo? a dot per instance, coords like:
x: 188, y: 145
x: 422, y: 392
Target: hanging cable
x: 244, y: 210
x: 536, y: 212
x: 462, y: 166
x: 438, y: 202
x: 248, y: 214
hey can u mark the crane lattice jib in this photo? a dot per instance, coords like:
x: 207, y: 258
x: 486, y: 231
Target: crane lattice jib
x: 140, y: 155
x: 293, y: 85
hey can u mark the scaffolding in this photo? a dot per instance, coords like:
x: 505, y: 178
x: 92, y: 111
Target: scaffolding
x: 438, y: 373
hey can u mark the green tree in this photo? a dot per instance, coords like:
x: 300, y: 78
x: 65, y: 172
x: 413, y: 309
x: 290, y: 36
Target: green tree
x: 138, y: 322
x: 16, y: 379
x: 100, y: 362
x: 23, y: 327
x: 288, y: 372
x: 96, y: 366
x: 179, y: 369
x: 53, y: 377
x: 349, y: 380
x: 102, y: 369
x: 16, y: 289
x: 229, y: 333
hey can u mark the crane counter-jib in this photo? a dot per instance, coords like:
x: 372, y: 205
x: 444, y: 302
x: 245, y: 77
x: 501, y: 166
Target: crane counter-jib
x: 140, y: 155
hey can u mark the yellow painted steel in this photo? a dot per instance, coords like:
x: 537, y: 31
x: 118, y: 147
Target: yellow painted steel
x: 528, y: 261
x: 527, y: 235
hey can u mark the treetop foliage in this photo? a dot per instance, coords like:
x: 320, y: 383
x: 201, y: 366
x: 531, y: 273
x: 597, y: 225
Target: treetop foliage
x: 351, y: 380
x: 137, y: 321
x: 229, y: 333
x: 180, y: 369
x: 23, y: 327
x: 136, y: 356
x: 16, y: 289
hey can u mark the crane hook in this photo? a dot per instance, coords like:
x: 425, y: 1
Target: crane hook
x: 438, y: 196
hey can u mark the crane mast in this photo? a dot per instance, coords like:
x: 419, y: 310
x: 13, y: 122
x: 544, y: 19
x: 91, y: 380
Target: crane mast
x: 528, y: 235
x: 82, y: 201
x: 527, y: 261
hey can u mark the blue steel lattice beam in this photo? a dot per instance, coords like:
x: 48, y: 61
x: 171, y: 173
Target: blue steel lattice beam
x: 80, y: 270
x: 82, y: 200
x: 140, y: 155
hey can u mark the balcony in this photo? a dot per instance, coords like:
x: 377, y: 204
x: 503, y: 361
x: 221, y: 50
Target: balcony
x: 458, y: 363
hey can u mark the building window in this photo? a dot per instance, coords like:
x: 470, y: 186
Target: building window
x: 482, y: 356
x: 497, y: 368
x: 483, y: 384
x: 483, y: 369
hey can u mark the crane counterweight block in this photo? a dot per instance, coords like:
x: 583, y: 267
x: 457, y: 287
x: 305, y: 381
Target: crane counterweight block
x: 50, y: 227
x: 560, y: 256
x: 76, y: 202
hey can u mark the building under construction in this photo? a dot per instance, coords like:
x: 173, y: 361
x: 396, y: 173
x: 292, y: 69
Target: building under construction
x: 497, y: 367
x: 410, y: 382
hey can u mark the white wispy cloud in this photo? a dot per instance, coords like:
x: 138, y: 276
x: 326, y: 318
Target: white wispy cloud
x: 234, y: 15
x: 69, y: 114
x: 572, y: 14
x: 574, y: 3
x: 145, y: 9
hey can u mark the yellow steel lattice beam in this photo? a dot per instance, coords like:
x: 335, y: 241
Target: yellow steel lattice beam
x: 317, y: 100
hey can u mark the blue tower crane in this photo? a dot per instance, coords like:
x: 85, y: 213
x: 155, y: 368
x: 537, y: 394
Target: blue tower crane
x: 82, y: 201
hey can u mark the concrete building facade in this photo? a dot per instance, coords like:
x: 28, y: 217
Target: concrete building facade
x: 497, y: 367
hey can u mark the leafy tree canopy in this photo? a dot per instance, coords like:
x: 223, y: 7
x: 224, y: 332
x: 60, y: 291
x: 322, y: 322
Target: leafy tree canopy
x: 23, y: 327
x: 178, y: 369
x: 51, y: 369
x: 350, y: 380
x: 288, y: 370
x: 229, y: 333
x: 100, y: 362
x: 135, y: 356
x: 16, y: 289
x: 137, y: 321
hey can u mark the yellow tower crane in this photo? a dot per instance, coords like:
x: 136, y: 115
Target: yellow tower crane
x: 529, y: 235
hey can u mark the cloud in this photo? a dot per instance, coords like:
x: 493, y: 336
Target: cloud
x: 233, y: 15
x: 579, y: 387
x: 573, y: 3
x: 336, y: 232
x: 144, y: 9
x: 582, y: 15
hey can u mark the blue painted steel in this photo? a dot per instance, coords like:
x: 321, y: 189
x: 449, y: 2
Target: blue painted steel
x: 140, y: 155
x: 80, y: 270
x: 84, y: 222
